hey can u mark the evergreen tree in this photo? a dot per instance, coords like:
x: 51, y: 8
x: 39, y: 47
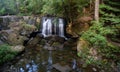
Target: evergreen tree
x: 7, y: 7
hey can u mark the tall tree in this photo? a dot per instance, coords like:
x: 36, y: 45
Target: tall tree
x: 96, y: 14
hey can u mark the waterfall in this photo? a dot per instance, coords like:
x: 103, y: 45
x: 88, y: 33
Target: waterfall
x: 61, y: 28
x: 49, y: 27
x: 55, y: 29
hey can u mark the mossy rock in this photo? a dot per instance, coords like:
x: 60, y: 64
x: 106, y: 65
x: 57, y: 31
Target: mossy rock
x: 82, y: 44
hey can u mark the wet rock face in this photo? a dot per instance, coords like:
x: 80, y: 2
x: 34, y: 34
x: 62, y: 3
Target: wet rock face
x: 35, y: 40
x: 49, y: 43
x: 54, y: 43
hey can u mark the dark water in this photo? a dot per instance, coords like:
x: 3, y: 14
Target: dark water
x: 37, y: 59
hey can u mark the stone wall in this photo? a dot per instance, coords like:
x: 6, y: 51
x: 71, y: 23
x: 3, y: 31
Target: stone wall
x: 6, y: 20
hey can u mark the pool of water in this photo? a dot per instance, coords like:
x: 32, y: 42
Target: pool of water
x: 37, y: 59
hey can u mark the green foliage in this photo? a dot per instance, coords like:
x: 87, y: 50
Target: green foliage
x: 88, y: 59
x: 111, y: 52
x: 96, y: 34
x: 5, y: 53
x: 2, y: 11
x: 27, y: 27
x: 110, y: 14
x: 7, y: 7
x: 66, y: 8
x: 30, y: 6
x: 107, y: 7
x: 62, y: 8
x: 53, y: 7
x: 81, y: 3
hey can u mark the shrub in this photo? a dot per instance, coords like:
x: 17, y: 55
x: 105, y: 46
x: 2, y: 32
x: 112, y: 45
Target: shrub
x: 5, y: 53
x: 96, y: 35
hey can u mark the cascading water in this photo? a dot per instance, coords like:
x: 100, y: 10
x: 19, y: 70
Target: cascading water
x: 47, y: 27
x: 61, y: 28
x: 50, y: 26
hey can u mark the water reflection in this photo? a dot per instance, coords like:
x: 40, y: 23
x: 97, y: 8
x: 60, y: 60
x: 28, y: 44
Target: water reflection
x: 75, y: 67
x: 30, y: 67
x: 22, y: 70
x: 43, y: 61
x: 74, y: 64
x: 50, y: 61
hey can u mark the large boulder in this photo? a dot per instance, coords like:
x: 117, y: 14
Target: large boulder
x: 15, y: 39
x: 17, y: 33
x: 11, y: 37
x: 61, y: 68
x: 17, y: 48
x: 54, y: 43
x: 81, y: 45
x: 35, y: 40
x: 79, y: 25
x: 4, y: 35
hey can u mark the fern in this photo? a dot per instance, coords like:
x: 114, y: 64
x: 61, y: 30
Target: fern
x: 110, y: 13
x: 113, y: 3
x: 96, y: 34
x: 107, y: 7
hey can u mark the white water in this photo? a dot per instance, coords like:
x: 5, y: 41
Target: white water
x: 49, y: 28
x: 55, y: 29
x: 61, y: 28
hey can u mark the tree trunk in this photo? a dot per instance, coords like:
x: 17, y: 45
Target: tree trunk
x: 96, y: 14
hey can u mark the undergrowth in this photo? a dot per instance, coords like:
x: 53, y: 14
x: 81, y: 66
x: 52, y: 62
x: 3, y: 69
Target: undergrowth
x: 6, y: 54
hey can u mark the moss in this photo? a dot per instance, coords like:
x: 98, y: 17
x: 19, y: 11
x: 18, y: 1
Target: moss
x: 28, y: 27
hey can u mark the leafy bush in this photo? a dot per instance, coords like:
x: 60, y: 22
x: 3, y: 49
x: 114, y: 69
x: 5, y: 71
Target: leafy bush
x: 30, y: 6
x: 97, y: 38
x: 96, y: 35
x: 110, y: 14
x: 66, y: 8
x: 5, y: 53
